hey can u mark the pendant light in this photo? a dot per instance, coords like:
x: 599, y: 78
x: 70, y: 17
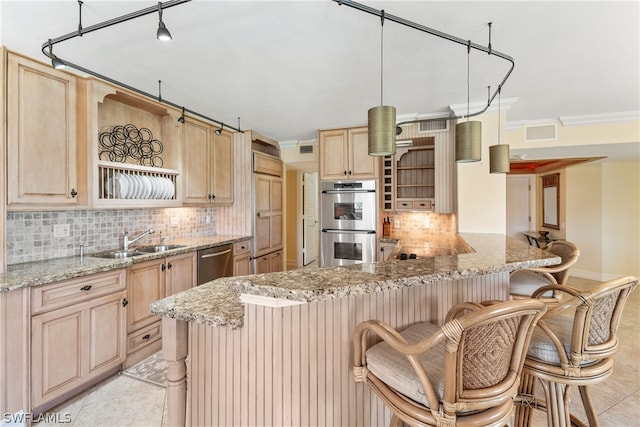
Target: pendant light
x: 499, y: 154
x: 382, y: 119
x: 468, y: 134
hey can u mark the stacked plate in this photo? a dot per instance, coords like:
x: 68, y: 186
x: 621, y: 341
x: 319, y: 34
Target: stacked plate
x: 133, y: 186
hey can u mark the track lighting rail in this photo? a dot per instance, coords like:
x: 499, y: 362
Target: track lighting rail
x: 47, y: 51
x: 467, y: 43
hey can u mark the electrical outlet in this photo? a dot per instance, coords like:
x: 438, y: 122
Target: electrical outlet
x: 61, y: 230
x: 173, y: 222
x: 396, y: 223
x: 427, y: 222
x: 207, y: 220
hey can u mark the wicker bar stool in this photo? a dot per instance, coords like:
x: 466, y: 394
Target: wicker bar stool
x: 574, y: 344
x: 524, y: 282
x: 465, y: 373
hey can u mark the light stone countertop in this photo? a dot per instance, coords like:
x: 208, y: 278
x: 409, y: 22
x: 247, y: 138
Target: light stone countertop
x: 37, y: 273
x: 217, y: 303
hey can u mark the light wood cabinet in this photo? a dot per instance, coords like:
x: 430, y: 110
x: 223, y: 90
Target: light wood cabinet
x: 207, y: 165
x: 75, y: 343
x: 344, y: 154
x: 42, y: 136
x: 415, y: 179
x: 269, y: 212
x: 270, y: 263
x: 241, y: 258
x: 147, y: 282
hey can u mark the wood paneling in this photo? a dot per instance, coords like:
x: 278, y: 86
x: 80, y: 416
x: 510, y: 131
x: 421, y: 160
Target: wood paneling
x: 292, y: 365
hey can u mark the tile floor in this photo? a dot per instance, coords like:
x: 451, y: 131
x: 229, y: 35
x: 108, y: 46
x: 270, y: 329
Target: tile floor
x: 124, y: 401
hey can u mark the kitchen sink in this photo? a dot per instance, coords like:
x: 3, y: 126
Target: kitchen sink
x: 117, y: 254
x: 158, y: 248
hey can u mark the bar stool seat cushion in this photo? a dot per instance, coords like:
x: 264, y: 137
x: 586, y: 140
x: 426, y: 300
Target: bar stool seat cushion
x: 526, y: 282
x: 394, y: 369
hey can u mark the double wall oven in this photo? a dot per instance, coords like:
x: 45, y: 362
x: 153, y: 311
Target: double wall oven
x: 348, y: 219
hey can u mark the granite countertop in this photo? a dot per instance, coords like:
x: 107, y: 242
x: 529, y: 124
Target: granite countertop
x: 38, y: 273
x: 217, y: 303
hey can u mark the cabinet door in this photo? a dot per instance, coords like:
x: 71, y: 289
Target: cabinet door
x: 361, y: 164
x: 269, y: 212
x: 241, y: 265
x: 145, y: 284
x: 195, y: 158
x: 56, y: 357
x: 41, y: 143
x: 276, y: 262
x: 334, y: 154
x: 107, y: 334
x: 222, y: 168
x: 181, y: 273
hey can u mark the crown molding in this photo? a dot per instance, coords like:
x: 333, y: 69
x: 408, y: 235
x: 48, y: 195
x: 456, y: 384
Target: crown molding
x: 592, y: 119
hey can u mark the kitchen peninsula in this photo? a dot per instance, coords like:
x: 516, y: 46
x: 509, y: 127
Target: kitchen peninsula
x: 275, y: 349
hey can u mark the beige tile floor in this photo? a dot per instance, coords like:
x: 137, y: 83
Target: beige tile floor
x: 124, y: 401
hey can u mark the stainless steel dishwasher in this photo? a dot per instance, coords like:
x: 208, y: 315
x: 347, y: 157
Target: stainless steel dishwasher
x: 215, y: 262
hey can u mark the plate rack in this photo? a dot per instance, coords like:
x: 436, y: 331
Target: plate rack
x: 119, y: 181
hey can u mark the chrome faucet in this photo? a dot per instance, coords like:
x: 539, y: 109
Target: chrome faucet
x: 126, y: 242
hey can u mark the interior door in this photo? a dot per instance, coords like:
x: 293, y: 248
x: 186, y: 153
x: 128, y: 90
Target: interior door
x: 518, y: 206
x: 309, y: 217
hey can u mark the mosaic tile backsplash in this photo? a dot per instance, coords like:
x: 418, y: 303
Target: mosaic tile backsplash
x: 30, y: 235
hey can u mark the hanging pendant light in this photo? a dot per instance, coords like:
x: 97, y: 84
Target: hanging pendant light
x: 382, y: 119
x: 499, y: 154
x: 469, y: 133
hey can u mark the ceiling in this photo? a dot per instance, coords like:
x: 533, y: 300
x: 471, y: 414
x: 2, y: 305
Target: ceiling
x: 289, y: 68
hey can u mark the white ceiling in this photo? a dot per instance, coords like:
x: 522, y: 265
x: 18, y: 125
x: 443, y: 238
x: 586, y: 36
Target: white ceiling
x: 290, y: 68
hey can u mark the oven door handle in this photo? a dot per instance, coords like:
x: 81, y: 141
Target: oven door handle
x: 333, y: 230
x: 347, y: 191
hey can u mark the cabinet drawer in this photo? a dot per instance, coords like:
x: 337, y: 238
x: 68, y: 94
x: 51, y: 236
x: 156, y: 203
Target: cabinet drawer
x: 68, y: 292
x: 414, y: 205
x: 144, y: 337
x: 241, y: 248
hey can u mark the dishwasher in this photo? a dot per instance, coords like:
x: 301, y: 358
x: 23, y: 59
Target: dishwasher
x: 214, y: 263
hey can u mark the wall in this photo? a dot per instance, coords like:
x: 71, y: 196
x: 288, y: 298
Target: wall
x: 482, y: 203
x: 603, y: 218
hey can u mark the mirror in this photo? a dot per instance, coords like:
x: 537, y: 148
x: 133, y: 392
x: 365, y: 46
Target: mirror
x: 551, y: 201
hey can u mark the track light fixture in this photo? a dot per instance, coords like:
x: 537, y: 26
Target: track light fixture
x: 56, y: 62
x: 181, y: 118
x: 219, y: 131
x: 162, y: 34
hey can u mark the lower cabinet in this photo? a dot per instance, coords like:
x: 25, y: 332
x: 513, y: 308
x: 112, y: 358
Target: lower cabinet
x: 147, y: 282
x: 242, y: 258
x: 74, y: 344
x: 269, y: 263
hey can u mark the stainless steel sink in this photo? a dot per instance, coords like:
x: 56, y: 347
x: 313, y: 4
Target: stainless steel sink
x: 117, y: 254
x: 158, y: 248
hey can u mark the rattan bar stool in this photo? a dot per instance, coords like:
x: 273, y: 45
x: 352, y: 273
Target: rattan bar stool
x: 465, y: 373
x: 524, y: 282
x: 573, y: 344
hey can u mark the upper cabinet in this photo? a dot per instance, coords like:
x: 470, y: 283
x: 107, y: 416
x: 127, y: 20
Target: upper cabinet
x: 344, y: 155
x: 42, y: 143
x: 207, y: 164
x: 133, y: 149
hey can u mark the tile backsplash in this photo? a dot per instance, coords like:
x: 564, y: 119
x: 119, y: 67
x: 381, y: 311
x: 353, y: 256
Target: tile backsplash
x: 30, y: 235
x: 415, y: 224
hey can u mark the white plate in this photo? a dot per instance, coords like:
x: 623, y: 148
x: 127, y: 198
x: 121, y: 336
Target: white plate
x: 171, y: 189
x: 140, y: 187
x: 117, y: 187
x: 146, y: 186
x: 165, y: 188
x: 129, y: 186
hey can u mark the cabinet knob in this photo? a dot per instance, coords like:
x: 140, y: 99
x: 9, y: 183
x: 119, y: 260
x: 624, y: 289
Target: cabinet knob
x: 169, y: 265
x: 85, y: 288
x: 74, y: 193
x: 213, y: 196
x: 124, y: 302
x: 163, y: 267
x: 345, y: 173
x: 349, y: 172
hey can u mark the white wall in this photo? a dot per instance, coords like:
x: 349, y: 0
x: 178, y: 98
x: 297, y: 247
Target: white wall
x: 482, y: 196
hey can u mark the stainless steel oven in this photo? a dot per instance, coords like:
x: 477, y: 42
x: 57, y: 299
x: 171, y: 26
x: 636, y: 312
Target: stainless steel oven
x: 348, y: 221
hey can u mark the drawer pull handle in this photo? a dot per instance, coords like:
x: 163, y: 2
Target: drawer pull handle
x: 146, y: 337
x: 85, y: 288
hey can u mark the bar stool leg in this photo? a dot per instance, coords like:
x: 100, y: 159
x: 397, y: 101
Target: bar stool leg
x: 526, y: 394
x: 588, y: 406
